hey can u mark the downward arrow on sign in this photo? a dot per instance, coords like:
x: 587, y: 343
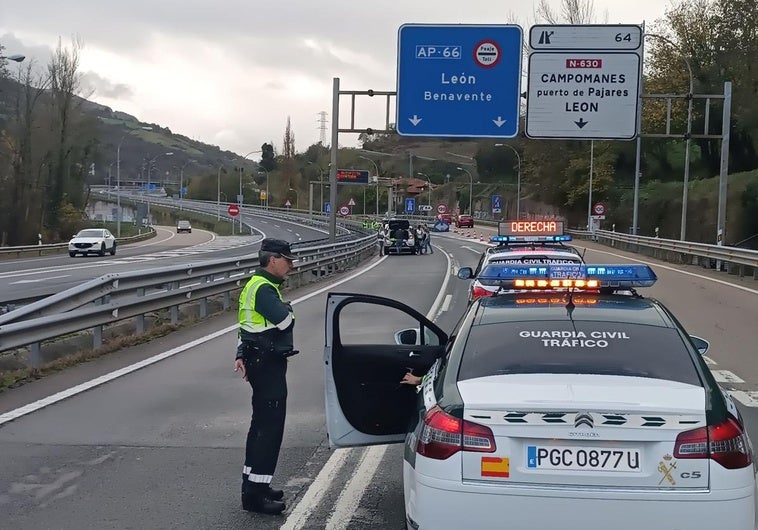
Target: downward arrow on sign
x: 415, y: 120
x: 581, y: 123
x: 499, y: 121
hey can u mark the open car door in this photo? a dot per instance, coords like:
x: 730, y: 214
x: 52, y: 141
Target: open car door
x: 371, y: 343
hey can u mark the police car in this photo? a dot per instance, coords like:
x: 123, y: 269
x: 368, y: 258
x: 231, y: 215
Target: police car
x: 522, y: 243
x: 565, y: 400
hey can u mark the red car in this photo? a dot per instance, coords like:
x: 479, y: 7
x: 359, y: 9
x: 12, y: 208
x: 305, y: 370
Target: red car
x: 445, y: 218
x: 464, y: 221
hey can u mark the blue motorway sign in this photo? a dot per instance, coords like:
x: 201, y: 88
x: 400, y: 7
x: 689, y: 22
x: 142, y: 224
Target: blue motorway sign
x: 410, y: 205
x: 459, y: 80
x: 497, y: 204
x: 326, y: 207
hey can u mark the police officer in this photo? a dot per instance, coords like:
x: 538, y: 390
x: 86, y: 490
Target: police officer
x: 266, y: 340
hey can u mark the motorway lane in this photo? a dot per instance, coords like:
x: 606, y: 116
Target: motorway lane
x: 34, y: 277
x: 174, y: 431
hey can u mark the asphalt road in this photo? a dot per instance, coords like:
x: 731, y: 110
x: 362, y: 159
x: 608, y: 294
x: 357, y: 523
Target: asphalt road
x: 162, y: 446
x: 33, y: 277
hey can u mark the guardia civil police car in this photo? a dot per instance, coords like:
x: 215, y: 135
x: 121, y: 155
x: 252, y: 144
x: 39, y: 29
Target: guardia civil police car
x: 565, y: 400
x: 522, y: 243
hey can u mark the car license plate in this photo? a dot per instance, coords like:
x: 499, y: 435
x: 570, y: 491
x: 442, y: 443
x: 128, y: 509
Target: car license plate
x: 582, y: 458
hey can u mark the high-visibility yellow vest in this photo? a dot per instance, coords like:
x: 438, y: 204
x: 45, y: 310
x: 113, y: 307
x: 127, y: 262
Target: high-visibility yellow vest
x: 249, y: 319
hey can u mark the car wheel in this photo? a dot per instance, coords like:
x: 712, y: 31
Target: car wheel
x: 102, y: 250
x: 113, y: 249
x: 72, y: 254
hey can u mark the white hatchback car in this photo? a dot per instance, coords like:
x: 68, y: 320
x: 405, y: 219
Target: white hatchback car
x: 92, y: 241
x: 562, y: 403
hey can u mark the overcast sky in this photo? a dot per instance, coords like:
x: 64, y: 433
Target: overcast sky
x: 229, y: 72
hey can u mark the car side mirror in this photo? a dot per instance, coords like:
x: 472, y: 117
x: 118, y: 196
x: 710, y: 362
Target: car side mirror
x: 465, y: 273
x: 702, y: 345
x: 407, y: 336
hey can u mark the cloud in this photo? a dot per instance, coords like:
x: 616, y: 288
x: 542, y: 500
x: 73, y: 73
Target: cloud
x: 99, y: 86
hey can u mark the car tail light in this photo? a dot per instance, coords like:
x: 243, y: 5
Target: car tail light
x: 444, y: 435
x: 726, y: 443
x: 479, y: 292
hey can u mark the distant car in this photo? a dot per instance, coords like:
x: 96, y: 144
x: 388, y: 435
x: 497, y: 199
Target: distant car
x: 183, y: 226
x: 399, y: 238
x: 445, y: 218
x: 94, y: 241
x: 464, y: 221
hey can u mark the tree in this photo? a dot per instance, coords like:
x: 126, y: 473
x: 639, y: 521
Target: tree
x: 570, y: 12
x: 268, y: 158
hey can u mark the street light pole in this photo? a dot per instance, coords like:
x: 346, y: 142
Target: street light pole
x: 518, y: 183
x: 321, y: 185
x: 118, y: 178
x: 149, y: 171
x: 470, y: 189
x: 376, y: 172
x: 218, y: 193
x: 683, y: 225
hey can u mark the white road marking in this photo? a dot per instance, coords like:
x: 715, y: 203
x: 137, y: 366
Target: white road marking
x: 725, y: 376
x: 446, y: 303
x: 749, y: 399
x: 708, y: 360
x: 83, y: 387
x: 316, y: 490
x: 40, y: 279
x: 715, y: 280
x: 304, y: 509
x: 476, y: 251
x: 350, y: 497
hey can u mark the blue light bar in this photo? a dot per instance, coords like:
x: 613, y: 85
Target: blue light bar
x: 609, y: 276
x: 530, y: 239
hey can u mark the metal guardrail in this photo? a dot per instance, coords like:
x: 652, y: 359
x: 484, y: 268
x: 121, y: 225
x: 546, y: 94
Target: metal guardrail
x: 675, y: 250
x: 53, y: 248
x: 118, y: 296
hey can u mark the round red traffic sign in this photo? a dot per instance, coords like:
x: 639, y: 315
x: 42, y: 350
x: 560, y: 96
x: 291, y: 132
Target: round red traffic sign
x: 487, y: 53
x: 599, y: 208
x: 233, y: 210
x: 344, y: 211
x: 442, y: 208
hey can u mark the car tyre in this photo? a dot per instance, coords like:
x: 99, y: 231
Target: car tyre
x: 102, y: 250
x: 113, y: 249
x: 72, y: 254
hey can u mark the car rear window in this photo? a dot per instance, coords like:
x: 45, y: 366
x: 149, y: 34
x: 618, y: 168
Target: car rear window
x: 90, y: 233
x: 581, y: 347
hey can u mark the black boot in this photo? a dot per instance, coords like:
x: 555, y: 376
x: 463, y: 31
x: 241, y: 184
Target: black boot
x: 273, y: 494
x: 255, y: 498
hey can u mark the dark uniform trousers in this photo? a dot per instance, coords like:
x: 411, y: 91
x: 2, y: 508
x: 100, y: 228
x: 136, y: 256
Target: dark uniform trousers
x: 266, y: 372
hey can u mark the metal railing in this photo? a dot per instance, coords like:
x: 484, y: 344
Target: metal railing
x: 118, y: 296
x: 678, y: 251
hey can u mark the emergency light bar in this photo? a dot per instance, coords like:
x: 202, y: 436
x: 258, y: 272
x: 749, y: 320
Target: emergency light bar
x: 563, y: 276
x: 530, y: 239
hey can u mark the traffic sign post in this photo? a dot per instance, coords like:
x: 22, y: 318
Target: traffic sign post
x: 584, y: 82
x: 442, y: 208
x: 410, y: 205
x: 233, y: 210
x: 425, y: 208
x: 344, y: 211
x: 599, y: 209
x: 497, y: 204
x: 459, y: 80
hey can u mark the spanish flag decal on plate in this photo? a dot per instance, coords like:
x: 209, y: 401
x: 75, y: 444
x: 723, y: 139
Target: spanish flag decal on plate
x: 493, y: 466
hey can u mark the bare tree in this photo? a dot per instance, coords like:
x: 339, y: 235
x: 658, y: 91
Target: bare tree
x: 64, y: 85
x: 569, y: 12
